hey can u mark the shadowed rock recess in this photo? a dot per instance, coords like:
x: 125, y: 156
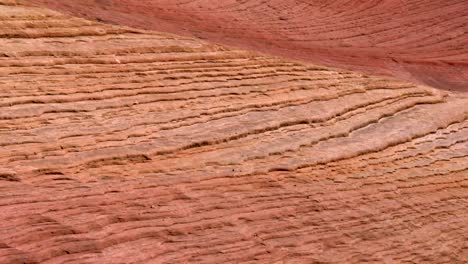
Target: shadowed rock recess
x: 424, y: 41
x: 120, y: 145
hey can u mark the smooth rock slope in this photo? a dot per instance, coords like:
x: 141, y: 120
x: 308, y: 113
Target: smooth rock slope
x: 424, y: 41
x: 125, y: 146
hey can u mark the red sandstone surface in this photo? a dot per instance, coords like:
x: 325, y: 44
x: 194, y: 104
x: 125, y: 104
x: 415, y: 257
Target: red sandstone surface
x: 424, y: 41
x: 120, y: 145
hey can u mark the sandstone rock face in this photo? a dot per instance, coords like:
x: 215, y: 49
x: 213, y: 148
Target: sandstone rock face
x: 126, y: 146
x: 423, y: 41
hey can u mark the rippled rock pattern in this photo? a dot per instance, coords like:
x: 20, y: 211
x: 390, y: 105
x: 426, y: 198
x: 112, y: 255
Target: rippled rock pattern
x: 126, y: 146
x: 425, y: 41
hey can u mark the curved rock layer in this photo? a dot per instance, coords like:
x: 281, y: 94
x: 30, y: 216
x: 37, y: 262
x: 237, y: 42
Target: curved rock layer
x: 125, y: 146
x: 422, y: 41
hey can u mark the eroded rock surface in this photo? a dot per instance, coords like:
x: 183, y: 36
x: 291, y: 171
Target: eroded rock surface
x: 124, y: 146
x: 423, y: 41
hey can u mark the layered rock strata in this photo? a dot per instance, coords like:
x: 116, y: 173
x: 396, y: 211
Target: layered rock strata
x: 126, y: 146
